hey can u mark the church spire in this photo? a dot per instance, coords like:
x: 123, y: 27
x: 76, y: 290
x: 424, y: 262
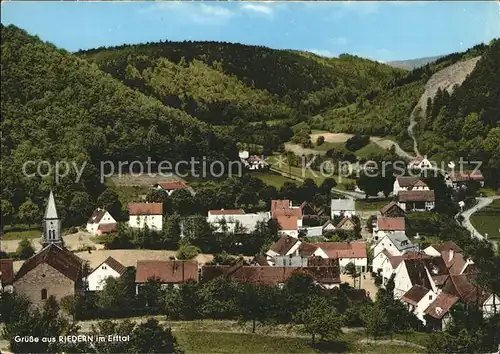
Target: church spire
x: 51, y: 211
x: 51, y: 224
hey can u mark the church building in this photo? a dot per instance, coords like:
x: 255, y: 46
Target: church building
x: 52, y: 271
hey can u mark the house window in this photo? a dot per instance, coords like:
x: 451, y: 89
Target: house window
x: 430, y: 297
x: 44, y: 294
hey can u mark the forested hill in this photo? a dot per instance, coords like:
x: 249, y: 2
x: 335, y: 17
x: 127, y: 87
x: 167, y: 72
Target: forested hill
x: 56, y: 106
x: 220, y: 82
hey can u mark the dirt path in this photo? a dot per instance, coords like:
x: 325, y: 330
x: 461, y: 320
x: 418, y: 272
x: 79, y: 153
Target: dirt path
x: 391, y: 341
x: 445, y: 79
x: 387, y: 144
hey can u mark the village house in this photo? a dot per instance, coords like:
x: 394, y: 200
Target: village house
x: 311, y: 212
x: 328, y: 226
x: 429, y: 272
x: 169, y: 273
x: 408, y: 183
x: 385, y: 225
x: 418, y: 299
x: 348, y: 223
x: 288, y: 216
x: 386, y: 264
x: 253, y: 162
x: 146, y: 214
x: 342, y: 207
x: 413, y: 200
x: 171, y: 186
x: 109, y: 268
x: 453, y: 257
x: 101, y: 222
x: 458, y: 180
x: 6, y: 275
x: 53, y: 271
x: 395, y: 242
x: 285, y: 246
x: 328, y: 277
x: 420, y: 162
x: 346, y: 252
x: 459, y: 288
x: 392, y: 210
x: 236, y: 219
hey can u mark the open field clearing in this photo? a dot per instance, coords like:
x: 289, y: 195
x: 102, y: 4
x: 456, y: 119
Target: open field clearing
x: 487, y: 220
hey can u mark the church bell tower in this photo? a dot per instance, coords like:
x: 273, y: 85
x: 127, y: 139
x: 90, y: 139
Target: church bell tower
x: 51, y: 224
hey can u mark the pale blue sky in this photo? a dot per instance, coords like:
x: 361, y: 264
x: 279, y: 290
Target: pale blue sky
x: 379, y: 30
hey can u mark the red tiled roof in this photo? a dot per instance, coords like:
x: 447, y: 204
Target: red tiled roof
x: 415, y: 294
x: 145, y: 208
x: 282, y: 208
x: 7, y: 271
x: 467, y: 176
x: 284, y: 244
x: 96, y: 216
x: 344, y: 221
x: 307, y: 249
x: 407, y: 181
x: 391, y: 224
x: 416, y: 196
x: 443, y: 303
x: 107, y: 228
x: 167, y: 271
x: 396, y: 260
x: 445, y: 246
x: 272, y: 275
x: 227, y: 212
x: 343, y: 249
x: 172, y: 185
x: 464, y: 287
x: 288, y: 222
x: 59, y: 258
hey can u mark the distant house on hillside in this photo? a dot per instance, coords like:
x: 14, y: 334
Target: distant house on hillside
x: 109, y: 268
x: 101, y: 222
x: 460, y: 179
x: 252, y: 162
x: 6, y: 275
x: 233, y: 217
x: 392, y: 210
x: 146, y: 214
x: 420, y: 162
x: 171, y: 186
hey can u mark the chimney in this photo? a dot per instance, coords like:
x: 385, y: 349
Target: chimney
x: 450, y: 257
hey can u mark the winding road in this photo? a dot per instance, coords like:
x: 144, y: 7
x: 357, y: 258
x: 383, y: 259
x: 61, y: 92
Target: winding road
x: 481, y: 203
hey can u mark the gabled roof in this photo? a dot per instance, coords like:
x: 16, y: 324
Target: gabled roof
x: 446, y: 246
x: 288, y: 222
x: 416, y: 196
x: 464, y: 287
x: 385, y: 209
x: 407, y: 181
x: 310, y: 209
x: 7, y: 271
x: 396, y: 260
x: 51, y: 210
x: 173, y: 185
x: 344, y: 221
x: 415, y: 294
x: 442, y: 305
x: 343, y: 249
x: 283, y: 208
x: 59, y: 258
x: 145, y: 208
x: 284, y: 244
x: 167, y: 271
x: 272, y: 275
x: 467, y: 176
x: 227, y: 212
x: 343, y: 205
x: 417, y: 273
x: 391, y: 224
x: 307, y: 249
x: 113, y: 264
x: 96, y: 216
x: 401, y: 241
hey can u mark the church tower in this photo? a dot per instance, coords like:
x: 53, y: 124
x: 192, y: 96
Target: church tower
x: 51, y: 224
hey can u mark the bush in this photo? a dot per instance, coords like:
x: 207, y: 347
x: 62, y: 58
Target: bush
x: 25, y: 250
x: 72, y: 230
x: 357, y: 142
x: 320, y: 140
x: 187, y: 252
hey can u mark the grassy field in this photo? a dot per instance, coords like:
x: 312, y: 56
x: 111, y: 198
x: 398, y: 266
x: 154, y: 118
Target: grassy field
x: 371, y: 148
x: 488, y: 192
x: 487, y: 220
x: 273, y: 179
x: 18, y: 232
x: 327, y: 146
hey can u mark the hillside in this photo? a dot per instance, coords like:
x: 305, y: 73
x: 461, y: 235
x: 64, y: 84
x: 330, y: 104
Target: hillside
x: 411, y: 64
x: 387, y: 111
x: 56, y: 106
x: 218, y: 82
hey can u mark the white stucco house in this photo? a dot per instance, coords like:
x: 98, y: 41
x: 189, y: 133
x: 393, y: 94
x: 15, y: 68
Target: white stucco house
x: 234, y: 217
x: 101, y: 222
x: 343, y: 207
x: 109, y: 268
x: 408, y: 183
x: 420, y: 162
x: 146, y: 214
x: 288, y: 216
x: 346, y: 252
x: 171, y: 186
